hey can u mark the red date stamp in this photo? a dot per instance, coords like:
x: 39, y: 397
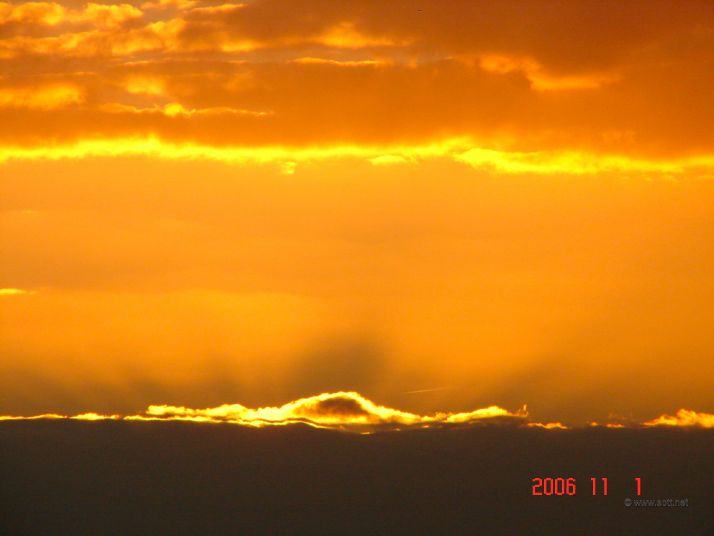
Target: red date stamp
x: 568, y: 486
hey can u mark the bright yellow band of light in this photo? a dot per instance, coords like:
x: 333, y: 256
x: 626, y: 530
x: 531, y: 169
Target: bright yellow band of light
x: 348, y: 410
x: 340, y: 410
x: 456, y: 149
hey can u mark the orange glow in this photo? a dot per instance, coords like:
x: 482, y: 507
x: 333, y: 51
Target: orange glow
x: 145, y: 85
x: 209, y: 201
x: 41, y: 98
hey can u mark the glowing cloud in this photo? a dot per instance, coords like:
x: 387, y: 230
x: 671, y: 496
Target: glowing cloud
x: 160, y: 35
x: 94, y: 417
x: 346, y: 35
x: 575, y: 163
x: 47, y: 97
x: 375, y: 72
x: 458, y: 149
x: 48, y: 13
x: 15, y: 292
x: 548, y: 425
x: 686, y: 418
x: 348, y: 410
x: 340, y: 410
x: 538, y: 76
x: 309, y: 60
x: 174, y: 109
x: 53, y: 14
x: 43, y: 416
x: 145, y: 85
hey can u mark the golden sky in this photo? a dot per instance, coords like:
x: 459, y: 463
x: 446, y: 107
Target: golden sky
x: 439, y: 205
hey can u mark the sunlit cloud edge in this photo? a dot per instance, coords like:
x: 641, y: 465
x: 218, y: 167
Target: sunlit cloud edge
x: 463, y: 150
x: 350, y: 411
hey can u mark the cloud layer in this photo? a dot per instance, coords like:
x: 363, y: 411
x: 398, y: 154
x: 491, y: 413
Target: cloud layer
x: 585, y: 76
x: 340, y: 410
x: 349, y: 411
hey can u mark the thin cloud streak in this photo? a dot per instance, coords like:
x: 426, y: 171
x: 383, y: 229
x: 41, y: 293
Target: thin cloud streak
x: 457, y: 149
x: 431, y: 390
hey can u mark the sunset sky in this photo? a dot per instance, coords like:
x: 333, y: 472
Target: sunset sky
x: 441, y: 206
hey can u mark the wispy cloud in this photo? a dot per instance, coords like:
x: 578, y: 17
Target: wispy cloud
x: 15, y: 292
x: 429, y: 390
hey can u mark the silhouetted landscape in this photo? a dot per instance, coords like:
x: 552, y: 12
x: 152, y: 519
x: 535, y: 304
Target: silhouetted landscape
x: 173, y: 478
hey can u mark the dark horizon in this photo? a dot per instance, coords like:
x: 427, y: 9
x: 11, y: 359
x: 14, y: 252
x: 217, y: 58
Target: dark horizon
x: 105, y: 478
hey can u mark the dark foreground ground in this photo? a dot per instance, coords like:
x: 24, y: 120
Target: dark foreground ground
x: 121, y: 478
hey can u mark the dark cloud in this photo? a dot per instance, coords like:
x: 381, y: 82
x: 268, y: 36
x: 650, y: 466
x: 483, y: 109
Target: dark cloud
x: 352, y: 364
x: 340, y: 406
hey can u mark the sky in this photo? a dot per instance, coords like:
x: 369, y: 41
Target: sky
x: 441, y: 206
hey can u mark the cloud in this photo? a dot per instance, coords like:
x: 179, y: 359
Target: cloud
x: 458, y: 150
x: 346, y: 35
x: 575, y: 163
x: 350, y: 411
x: 547, y: 425
x: 91, y: 416
x: 685, y: 418
x: 55, y: 14
x: 46, y: 97
x: 340, y: 410
x: 15, y: 292
x: 174, y: 109
x: 589, y: 77
x: 539, y: 78
x: 309, y: 60
x: 97, y: 42
x: 145, y: 85
x: 42, y: 416
x: 48, y: 13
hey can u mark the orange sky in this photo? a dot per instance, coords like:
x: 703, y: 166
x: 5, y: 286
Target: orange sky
x: 441, y: 205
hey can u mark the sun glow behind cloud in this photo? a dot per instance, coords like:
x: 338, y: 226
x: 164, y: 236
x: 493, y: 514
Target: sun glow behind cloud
x: 340, y: 410
x: 15, y: 292
x: 349, y: 411
x: 684, y: 417
x: 459, y: 150
x: 208, y: 190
